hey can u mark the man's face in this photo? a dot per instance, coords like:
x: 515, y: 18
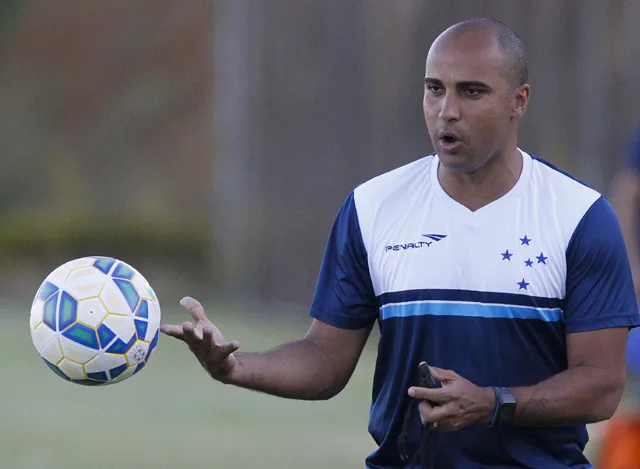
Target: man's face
x: 468, y: 100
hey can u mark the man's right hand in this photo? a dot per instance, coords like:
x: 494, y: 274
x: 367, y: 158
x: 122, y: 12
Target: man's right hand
x: 206, y: 342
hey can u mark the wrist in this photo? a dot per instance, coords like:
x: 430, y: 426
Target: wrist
x: 505, y: 408
x: 489, y: 406
x: 229, y: 372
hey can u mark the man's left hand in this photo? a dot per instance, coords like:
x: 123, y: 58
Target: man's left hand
x: 458, y: 403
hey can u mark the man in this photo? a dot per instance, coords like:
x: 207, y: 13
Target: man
x: 620, y: 448
x: 506, y: 275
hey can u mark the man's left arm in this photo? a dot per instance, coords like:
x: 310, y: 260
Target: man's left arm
x: 588, y: 391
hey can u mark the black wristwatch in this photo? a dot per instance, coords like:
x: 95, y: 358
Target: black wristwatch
x: 505, y: 407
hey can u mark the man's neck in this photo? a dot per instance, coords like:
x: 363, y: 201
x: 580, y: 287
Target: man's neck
x: 480, y: 188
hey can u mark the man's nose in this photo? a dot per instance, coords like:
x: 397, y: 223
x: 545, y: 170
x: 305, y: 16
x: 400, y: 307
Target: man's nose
x: 450, y: 110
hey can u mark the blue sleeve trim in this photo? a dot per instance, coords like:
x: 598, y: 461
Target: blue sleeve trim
x: 340, y: 322
x: 344, y: 295
x: 599, y: 287
x: 629, y: 320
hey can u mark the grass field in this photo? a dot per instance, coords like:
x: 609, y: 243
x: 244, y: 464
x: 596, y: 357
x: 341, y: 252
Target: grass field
x: 172, y: 415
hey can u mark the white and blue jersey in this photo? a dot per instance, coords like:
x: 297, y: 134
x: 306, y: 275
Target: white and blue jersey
x: 489, y: 294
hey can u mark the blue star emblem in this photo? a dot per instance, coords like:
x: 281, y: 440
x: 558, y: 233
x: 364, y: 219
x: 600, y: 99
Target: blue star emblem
x: 524, y: 241
x: 542, y: 259
x: 523, y: 285
x: 528, y: 263
x: 506, y: 255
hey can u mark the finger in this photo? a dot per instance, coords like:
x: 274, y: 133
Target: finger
x: 438, y: 413
x: 173, y: 331
x: 207, y: 337
x: 227, y: 349
x: 190, y: 335
x: 424, y: 408
x: 440, y: 374
x: 194, y: 308
x: 437, y: 395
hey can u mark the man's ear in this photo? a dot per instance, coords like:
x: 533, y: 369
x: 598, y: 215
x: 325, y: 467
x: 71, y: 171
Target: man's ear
x: 520, y: 100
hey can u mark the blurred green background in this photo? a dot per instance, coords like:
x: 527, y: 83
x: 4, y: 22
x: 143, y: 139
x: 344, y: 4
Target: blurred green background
x: 209, y: 143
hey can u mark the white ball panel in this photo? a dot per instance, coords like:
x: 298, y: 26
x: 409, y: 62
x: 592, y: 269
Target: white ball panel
x: 82, y: 262
x: 76, y: 352
x: 91, y: 312
x: 71, y: 369
x: 122, y: 326
x: 85, y: 282
x: 52, y: 352
x: 142, y: 286
x: 114, y: 300
x: 37, y: 313
x: 41, y: 335
x: 59, y: 276
x: 154, y: 312
x: 105, y: 362
x: 152, y: 328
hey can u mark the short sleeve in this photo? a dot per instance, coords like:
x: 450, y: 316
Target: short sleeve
x: 633, y: 156
x: 344, y: 294
x: 600, y: 291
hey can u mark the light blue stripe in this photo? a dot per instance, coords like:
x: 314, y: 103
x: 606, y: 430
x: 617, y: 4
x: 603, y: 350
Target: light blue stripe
x: 475, y: 310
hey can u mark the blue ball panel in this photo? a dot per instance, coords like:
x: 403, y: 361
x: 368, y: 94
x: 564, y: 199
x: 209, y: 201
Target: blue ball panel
x: 104, y: 264
x: 83, y: 335
x: 88, y: 382
x: 117, y: 347
x: 143, y: 309
x: 129, y: 292
x: 105, y: 335
x: 46, y: 290
x: 120, y: 347
x: 122, y: 271
x: 115, y: 372
x: 153, y: 344
x: 50, y: 307
x: 141, y: 328
x: 139, y: 367
x: 66, y: 311
x: 98, y: 376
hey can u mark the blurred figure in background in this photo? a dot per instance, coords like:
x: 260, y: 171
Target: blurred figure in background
x: 621, y: 442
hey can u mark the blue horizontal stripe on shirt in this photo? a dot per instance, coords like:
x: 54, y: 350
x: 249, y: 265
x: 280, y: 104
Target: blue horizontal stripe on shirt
x: 476, y: 310
x: 470, y: 296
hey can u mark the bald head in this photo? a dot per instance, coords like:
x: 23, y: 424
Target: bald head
x: 480, y: 30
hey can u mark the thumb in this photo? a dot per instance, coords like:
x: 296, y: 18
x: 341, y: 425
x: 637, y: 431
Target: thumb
x: 441, y: 375
x: 228, y: 348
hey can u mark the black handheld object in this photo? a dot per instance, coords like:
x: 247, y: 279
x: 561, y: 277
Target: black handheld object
x: 425, y: 378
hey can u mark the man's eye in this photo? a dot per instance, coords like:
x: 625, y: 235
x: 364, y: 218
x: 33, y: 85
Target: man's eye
x: 472, y: 93
x: 433, y: 88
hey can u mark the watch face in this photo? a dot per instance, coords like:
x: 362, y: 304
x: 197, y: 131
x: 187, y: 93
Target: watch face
x: 507, y: 413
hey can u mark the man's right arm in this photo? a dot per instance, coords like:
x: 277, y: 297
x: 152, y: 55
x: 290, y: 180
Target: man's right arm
x: 318, y: 366
x: 315, y: 367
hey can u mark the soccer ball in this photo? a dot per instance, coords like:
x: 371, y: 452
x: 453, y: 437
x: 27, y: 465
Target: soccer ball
x: 95, y: 321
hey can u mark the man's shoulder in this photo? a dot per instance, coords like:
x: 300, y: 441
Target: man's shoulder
x: 561, y: 196
x: 559, y: 183
x: 396, y: 180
